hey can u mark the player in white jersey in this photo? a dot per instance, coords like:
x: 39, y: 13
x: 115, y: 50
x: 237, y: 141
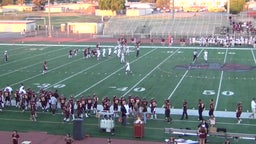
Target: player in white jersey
x: 205, y: 56
x: 119, y: 52
x: 104, y: 52
x: 127, y: 68
x: 127, y: 50
x: 98, y: 53
x: 5, y: 57
x: 109, y: 51
x: 22, y: 89
x: 122, y: 57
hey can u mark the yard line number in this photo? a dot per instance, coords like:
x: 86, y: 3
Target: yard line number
x: 212, y: 92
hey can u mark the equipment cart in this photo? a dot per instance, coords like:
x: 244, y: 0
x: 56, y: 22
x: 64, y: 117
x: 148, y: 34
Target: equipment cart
x: 106, y: 121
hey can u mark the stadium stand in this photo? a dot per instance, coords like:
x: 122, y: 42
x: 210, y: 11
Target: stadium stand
x: 161, y: 25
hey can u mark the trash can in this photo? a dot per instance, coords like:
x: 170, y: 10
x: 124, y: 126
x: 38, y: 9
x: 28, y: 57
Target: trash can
x: 138, y: 130
x: 78, y: 132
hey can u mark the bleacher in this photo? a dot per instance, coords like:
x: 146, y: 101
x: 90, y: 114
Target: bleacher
x: 224, y: 134
x: 161, y: 25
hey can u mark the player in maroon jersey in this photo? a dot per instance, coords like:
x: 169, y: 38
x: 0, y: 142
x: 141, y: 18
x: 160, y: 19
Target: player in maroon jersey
x: 211, y: 109
x: 89, y: 106
x: 70, y: 53
x: 85, y: 53
x: 83, y: 104
x: 72, y: 109
x: 106, y: 104
x: 95, y: 103
x: 185, y: 109
x: 167, y: 111
x: 239, y: 112
x: 66, y: 112
x: 33, y: 110
x: 45, y: 68
x: 23, y: 101
x: 115, y: 105
x: 43, y: 101
x: 200, y: 109
x: 62, y: 101
x: 131, y: 101
x: 136, y: 106
x: 17, y: 98
x: 144, y: 105
x: 79, y: 109
x: 153, y: 105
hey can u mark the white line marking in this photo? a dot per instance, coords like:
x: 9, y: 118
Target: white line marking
x: 149, y: 73
x: 42, y: 74
x: 4, y: 74
x: 112, y: 74
x: 184, y: 75
x: 220, y: 83
x: 79, y: 72
x: 253, y: 56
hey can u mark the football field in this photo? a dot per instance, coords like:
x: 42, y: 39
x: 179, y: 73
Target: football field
x: 159, y: 72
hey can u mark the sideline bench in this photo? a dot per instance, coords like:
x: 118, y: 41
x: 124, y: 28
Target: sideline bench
x: 226, y: 135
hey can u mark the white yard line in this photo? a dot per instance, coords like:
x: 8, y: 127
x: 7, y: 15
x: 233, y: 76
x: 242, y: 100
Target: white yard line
x: 77, y: 95
x: 40, y: 63
x: 88, y: 68
x: 253, y: 56
x: 42, y: 74
x: 19, y: 60
x: 184, y: 75
x: 150, y: 73
x: 220, y: 83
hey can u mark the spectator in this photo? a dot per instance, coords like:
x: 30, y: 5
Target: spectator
x: 68, y: 139
x: 202, y: 133
x: 15, y: 137
x: 203, y: 129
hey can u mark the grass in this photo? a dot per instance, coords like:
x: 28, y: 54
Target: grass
x: 154, y: 75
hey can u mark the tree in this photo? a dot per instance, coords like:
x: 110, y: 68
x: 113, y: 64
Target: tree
x: 113, y: 5
x: 6, y: 2
x: 163, y: 4
x: 117, y: 5
x: 236, y: 6
x: 39, y: 3
x: 105, y: 4
x: 20, y: 2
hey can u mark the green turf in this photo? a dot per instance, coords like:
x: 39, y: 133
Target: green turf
x: 154, y: 75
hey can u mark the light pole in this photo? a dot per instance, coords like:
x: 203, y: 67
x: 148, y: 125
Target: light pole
x: 228, y: 7
x: 49, y: 20
x: 173, y: 9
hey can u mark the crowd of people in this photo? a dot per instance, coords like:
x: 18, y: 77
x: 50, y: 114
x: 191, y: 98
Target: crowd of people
x: 84, y: 106
x: 121, y: 51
